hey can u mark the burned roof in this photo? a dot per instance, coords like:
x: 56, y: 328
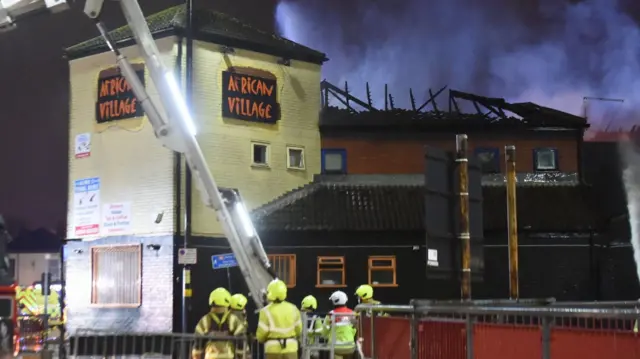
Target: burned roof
x: 370, y: 207
x: 210, y: 26
x: 490, y: 113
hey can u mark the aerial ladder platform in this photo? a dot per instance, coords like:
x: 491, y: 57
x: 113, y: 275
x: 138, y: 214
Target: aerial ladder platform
x: 173, y: 126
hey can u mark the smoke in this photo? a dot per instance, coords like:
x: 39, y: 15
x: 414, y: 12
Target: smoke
x: 631, y: 178
x: 542, y: 51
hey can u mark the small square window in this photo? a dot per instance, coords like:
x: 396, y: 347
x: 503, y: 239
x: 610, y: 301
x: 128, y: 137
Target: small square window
x: 334, y: 161
x: 545, y: 159
x: 295, y: 158
x: 489, y: 159
x: 260, y: 154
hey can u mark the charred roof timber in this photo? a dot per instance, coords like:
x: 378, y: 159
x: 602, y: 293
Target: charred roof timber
x: 489, y: 112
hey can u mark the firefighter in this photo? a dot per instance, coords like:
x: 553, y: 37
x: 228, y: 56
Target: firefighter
x: 218, y: 322
x: 314, y: 324
x: 279, y: 324
x: 345, y: 331
x: 365, y: 296
x: 237, y: 305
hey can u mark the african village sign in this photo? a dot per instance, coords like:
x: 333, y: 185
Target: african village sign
x: 250, y: 97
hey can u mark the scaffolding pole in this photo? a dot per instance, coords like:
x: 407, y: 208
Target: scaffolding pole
x: 512, y: 215
x: 464, y: 231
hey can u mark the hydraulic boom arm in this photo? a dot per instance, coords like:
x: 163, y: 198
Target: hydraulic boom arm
x: 176, y: 130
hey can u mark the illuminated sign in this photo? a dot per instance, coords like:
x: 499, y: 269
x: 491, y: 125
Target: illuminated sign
x: 250, y: 98
x: 116, y: 100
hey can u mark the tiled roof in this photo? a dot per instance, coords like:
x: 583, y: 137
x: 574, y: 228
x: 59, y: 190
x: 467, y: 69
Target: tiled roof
x: 209, y: 26
x: 368, y: 207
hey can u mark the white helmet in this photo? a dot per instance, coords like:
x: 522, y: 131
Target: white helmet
x: 339, y: 298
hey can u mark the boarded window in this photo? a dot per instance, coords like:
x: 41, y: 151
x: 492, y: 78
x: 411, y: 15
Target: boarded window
x: 285, y: 267
x: 331, y: 272
x: 382, y: 271
x: 116, y: 278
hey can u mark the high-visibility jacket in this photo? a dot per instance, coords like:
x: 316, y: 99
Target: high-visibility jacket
x: 243, y: 350
x: 345, y: 331
x: 279, y: 327
x: 635, y: 327
x: 374, y: 302
x: 221, y: 324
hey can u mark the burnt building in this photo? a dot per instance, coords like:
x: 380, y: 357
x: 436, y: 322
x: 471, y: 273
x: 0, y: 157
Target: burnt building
x: 358, y: 138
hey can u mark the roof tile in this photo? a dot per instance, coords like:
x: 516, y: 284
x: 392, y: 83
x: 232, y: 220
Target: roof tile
x: 209, y: 25
x: 355, y: 207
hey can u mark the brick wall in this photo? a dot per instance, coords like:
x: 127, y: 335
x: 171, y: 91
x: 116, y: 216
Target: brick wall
x: 156, y: 312
x: 226, y: 143
x: 379, y: 156
x: 131, y: 163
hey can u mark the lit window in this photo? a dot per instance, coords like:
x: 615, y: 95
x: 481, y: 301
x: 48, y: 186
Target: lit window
x: 489, y: 159
x: 116, y: 276
x: 295, y: 158
x: 334, y: 161
x: 331, y: 272
x: 382, y: 271
x: 285, y: 267
x: 260, y: 154
x: 545, y: 159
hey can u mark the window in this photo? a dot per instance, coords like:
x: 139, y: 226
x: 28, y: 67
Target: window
x: 116, y: 276
x: 334, y: 161
x: 259, y: 154
x: 545, y: 159
x: 382, y: 271
x: 331, y: 272
x: 295, y: 158
x: 285, y: 267
x: 489, y: 159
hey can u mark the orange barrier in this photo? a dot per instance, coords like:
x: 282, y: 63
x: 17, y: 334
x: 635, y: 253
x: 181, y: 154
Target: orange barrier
x: 392, y: 337
x: 446, y: 339
x: 497, y: 341
x: 594, y: 344
x: 439, y: 339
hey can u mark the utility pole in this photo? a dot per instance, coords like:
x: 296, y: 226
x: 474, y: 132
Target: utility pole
x: 462, y: 162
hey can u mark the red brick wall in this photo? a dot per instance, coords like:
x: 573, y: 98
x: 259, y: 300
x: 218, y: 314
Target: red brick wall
x: 407, y: 156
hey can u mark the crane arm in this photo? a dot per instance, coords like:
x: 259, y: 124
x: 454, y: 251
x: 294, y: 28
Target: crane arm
x: 175, y: 128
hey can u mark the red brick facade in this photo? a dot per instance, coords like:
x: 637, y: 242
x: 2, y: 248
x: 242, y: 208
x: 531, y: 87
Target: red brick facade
x: 376, y: 156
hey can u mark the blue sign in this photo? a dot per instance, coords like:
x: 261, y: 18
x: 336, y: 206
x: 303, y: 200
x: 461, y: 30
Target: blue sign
x: 227, y: 260
x: 86, y: 185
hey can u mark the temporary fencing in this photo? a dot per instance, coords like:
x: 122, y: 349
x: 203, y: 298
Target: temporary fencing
x: 501, y: 330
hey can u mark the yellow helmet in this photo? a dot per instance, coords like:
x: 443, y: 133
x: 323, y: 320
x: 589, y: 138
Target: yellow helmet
x: 309, y: 303
x: 220, y: 297
x: 238, y: 301
x: 276, y: 290
x: 365, y: 291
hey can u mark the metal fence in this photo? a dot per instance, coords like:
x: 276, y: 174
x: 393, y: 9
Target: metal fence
x: 100, y: 344
x: 501, y: 329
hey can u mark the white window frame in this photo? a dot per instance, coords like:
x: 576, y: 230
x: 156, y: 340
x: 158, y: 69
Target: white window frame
x: 267, y: 153
x: 304, y: 162
x: 554, y: 154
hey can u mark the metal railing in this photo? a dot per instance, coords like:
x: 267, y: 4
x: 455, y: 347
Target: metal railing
x: 319, y: 334
x: 94, y: 343
x: 500, y: 329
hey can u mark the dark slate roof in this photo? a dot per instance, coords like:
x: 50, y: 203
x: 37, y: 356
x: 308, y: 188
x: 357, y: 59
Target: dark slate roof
x: 357, y: 207
x: 208, y: 25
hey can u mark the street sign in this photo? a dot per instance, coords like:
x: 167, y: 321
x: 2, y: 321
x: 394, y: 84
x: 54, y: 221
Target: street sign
x: 227, y: 260
x: 187, y: 256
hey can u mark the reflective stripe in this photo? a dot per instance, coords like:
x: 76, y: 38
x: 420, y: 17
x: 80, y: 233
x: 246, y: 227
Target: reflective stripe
x: 273, y: 329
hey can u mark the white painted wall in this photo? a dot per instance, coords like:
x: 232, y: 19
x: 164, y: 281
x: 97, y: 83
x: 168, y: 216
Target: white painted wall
x: 30, y: 266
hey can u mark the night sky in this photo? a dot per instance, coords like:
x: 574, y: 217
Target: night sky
x: 34, y: 104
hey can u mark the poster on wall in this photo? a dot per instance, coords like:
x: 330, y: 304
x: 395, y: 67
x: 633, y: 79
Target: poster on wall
x: 116, y: 218
x: 116, y: 100
x: 250, y: 97
x: 83, y: 145
x: 86, y: 207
